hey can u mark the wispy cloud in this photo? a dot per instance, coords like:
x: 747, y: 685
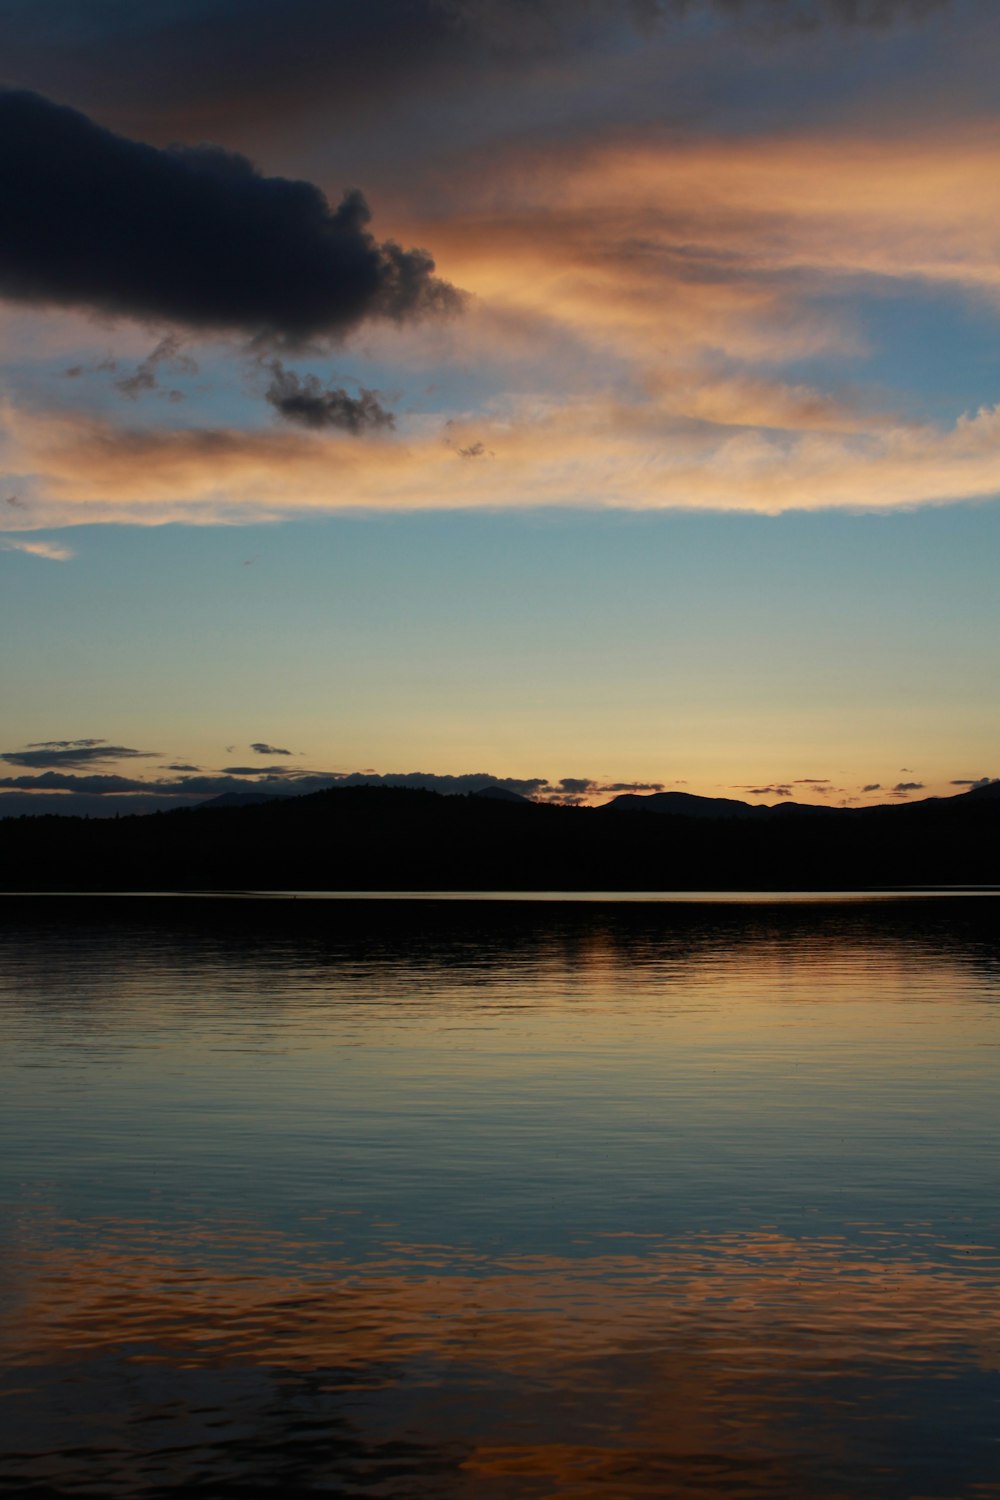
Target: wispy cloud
x: 305, y: 400
x: 54, y: 551
x: 588, y: 454
x: 64, y: 754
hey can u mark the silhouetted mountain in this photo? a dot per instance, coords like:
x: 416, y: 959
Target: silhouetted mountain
x: 988, y: 793
x: 687, y: 805
x: 382, y: 838
x: 241, y: 799
x: 683, y: 805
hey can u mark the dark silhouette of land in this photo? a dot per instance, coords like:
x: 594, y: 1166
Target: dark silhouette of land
x: 381, y: 838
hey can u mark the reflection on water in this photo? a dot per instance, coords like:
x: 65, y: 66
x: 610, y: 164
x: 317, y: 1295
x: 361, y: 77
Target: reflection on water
x: 568, y: 1201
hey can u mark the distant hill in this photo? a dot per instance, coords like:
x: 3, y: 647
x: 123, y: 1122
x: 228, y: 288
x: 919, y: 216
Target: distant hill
x: 241, y: 799
x: 383, y: 838
x: 683, y: 805
x: 687, y: 805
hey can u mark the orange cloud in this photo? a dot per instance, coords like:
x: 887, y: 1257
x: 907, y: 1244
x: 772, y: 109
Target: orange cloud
x: 587, y: 454
x: 634, y: 303
x: 52, y: 550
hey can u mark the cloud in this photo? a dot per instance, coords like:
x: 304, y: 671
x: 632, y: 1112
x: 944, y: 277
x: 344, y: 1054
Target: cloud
x: 873, y: 786
x: 59, y: 781
x: 775, y: 17
x: 169, y: 352
x: 260, y: 748
x: 54, y: 551
x: 977, y: 781
x: 902, y: 787
x: 193, y: 235
x: 71, y: 753
x: 429, y: 781
x: 263, y: 770
x: 767, y: 791
x: 303, y: 399
x: 631, y: 786
x: 182, y: 766
x: 737, y: 245
x: 587, y: 454
x: 216, y: 63
x: 65, y: 744
x: 279, y: 780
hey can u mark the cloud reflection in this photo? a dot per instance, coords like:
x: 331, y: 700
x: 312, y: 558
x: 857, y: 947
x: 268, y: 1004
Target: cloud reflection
x: 735, y: 1364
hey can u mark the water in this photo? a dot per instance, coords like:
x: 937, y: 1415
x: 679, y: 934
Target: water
x: 592, y: 1199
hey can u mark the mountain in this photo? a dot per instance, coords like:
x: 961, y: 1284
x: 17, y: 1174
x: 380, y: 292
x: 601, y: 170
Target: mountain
x: 687, y: 805
x: 682, y: 805
x: 988, y: 793
x: 241, y: 799
x: 387, y: 838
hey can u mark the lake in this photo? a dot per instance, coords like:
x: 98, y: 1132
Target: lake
x: 591, y: 1198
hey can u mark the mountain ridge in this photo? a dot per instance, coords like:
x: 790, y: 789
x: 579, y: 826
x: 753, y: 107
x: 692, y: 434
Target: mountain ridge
x: 392, y: 838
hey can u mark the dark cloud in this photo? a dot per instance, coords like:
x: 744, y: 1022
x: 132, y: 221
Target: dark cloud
x: 277, y: 779
x: 204, y: 59
x: 777, y: 17
x: 303, y: 399
x: 216, y: 62
x: 631, y: 786
x: 902, y: 787
x: 187, y: 787
x: 474, y: 450
x: 60, y: 781
x: 260, y: 770
x: 508, y: 19
x: 873, y: 786
x: 72, y: 753
x: 767, y: 791
x: 64, y: 744
x: 182, y: 766
x: 75, y: 372
x: 169, y: 352
x: 977, y: 781
x: 569, y: 789
x: 473, y: 781
x: 811, y: 781
x: 260, y: 748
x: 193, y: 235
x: 15, y: 502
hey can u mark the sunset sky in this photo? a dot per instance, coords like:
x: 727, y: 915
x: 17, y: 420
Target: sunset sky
x: 594, y: 395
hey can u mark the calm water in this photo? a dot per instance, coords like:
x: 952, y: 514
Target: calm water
x: 595, y: 1200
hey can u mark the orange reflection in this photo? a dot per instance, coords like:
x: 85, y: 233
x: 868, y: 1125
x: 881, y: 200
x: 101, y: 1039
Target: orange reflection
x: 642, y: 1369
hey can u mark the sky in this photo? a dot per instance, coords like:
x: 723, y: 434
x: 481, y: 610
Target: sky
x: 585, y: 396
